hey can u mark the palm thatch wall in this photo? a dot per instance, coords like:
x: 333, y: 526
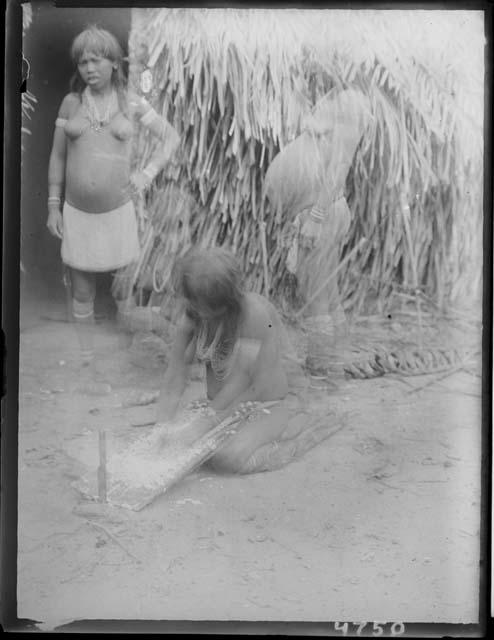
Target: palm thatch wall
x: 236, y: 84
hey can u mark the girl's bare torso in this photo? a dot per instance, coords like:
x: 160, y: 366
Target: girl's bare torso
x: 98, y: 162
x: 259, y: 317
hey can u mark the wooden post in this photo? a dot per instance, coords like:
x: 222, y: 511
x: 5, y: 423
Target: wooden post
x: 102, y: 465
x: 264, y: 258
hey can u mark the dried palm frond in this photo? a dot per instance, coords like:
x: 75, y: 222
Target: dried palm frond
x: 28, y: 100
x: 406, y: 362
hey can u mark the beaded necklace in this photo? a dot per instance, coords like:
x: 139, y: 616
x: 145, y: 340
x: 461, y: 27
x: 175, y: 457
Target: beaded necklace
x: 96, y: 121
x: 219, y: 355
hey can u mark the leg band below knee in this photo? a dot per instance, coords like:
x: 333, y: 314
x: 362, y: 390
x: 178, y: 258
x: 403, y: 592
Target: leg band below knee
x: 82, y: 310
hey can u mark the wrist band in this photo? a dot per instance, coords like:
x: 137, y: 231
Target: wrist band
x: 55, y: 199
x: 316, y: 214
x: 148, y: 117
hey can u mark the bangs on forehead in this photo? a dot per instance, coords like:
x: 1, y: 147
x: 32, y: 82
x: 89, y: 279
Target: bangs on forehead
x: 98, y: 42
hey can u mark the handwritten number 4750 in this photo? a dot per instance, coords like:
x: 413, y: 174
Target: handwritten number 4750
x: 378, y: 628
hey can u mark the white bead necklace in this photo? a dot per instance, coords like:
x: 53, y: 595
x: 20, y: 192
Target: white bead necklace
x: 96, y: 121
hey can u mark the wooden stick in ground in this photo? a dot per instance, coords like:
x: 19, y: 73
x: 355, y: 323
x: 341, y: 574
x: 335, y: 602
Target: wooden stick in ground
x: 102, y: 485
x: 330, y: 277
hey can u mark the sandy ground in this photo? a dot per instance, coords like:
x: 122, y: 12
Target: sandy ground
x: 380, y: 522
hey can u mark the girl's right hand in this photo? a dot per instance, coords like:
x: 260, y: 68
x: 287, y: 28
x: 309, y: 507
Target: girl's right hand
x: 137, y: 103
x: 55, y: 223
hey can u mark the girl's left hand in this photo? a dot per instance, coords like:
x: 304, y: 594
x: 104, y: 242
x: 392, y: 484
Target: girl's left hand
x: 140, y: 182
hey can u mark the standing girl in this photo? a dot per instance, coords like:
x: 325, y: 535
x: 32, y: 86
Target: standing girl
x: 89, y: 181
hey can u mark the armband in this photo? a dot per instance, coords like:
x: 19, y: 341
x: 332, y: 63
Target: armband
x: 151, y: 171
x: 60, y: 122
x: 317, y: 214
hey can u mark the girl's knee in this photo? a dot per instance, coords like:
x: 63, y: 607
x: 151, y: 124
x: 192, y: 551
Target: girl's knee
x: 254, y: 462
x: 228, y: 460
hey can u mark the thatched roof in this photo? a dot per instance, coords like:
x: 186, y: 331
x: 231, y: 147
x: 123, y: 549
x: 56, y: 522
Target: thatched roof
x: 237, y: 83
x: 406, y: 45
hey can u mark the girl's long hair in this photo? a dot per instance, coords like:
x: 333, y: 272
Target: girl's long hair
x: 210, y: 281
x: 102, y: 43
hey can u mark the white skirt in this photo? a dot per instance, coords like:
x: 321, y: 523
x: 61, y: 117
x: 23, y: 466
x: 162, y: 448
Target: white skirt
x: 99, y: 241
